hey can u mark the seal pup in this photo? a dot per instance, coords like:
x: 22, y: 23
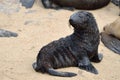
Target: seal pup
x: 77, y: 49
x: 111, y: 36
x: 78, y: 4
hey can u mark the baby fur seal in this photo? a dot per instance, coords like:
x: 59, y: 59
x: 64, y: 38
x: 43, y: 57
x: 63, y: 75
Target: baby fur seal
x: 78, y: 4
x: 77, y: 49
x: 111, y: 36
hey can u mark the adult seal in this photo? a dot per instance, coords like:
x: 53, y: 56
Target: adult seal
x: 77, y: 49
x: 78, y: 4
x: 113, y: 28
x: 111, y: 36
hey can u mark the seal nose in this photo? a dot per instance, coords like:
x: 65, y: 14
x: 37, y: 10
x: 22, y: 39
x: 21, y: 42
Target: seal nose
x: 71, y: 21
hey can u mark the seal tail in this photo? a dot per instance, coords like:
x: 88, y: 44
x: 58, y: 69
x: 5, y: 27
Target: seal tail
x: 111, y: 42
x: 61, y: 74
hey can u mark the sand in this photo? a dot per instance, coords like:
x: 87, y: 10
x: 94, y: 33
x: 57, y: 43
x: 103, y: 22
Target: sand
x: 37, y: 27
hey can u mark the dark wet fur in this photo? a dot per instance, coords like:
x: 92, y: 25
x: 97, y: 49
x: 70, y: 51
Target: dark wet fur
x: 76, y: 50
x: 111, y: 42
x: 78, y: 4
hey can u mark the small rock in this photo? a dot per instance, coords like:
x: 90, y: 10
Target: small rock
x: 5, y: 33
x: 9, y: 6
x: 31, y: 22
x: 27, y: 3
x: 28, y: 22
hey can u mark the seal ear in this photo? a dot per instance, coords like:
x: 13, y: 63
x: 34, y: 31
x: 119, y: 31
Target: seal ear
x: 89, y: 15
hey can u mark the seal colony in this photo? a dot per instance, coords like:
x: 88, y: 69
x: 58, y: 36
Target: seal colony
x: 78, y: 4
x: 111, y: 36
x: 77, y: 49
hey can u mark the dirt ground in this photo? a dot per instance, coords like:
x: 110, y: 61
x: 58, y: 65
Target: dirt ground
x: 38, y: 26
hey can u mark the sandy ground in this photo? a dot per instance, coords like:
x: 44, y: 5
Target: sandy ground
x: 37, y: 27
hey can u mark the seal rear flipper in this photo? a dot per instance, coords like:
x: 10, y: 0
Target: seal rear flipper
x: 35, y: 67
x: 61, y: 74
x: 111, y: 42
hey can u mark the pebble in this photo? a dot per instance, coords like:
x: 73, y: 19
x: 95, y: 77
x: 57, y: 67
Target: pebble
x: 5, y: 33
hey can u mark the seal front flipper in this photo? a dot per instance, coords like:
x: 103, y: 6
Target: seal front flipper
x: 5, y: 33
x: 61, y: 74
x: 111, y: 42
x: 86, y: 65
